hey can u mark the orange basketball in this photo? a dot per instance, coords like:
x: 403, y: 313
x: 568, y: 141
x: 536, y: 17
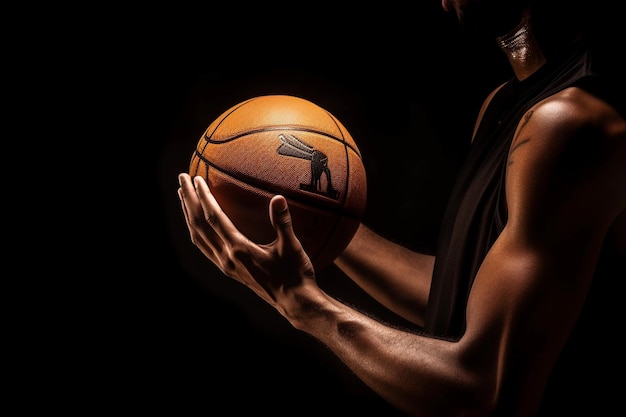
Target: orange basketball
x: 279, y: 144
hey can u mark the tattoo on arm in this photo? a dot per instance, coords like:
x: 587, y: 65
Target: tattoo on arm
x: 517, y: 142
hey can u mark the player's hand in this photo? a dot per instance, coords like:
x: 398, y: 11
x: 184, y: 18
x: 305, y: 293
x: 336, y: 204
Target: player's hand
x: 269, y: 269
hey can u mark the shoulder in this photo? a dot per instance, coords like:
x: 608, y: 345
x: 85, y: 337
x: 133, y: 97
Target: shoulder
x: 572, y: 121
x: 570, y: 147
x: 574, y: 109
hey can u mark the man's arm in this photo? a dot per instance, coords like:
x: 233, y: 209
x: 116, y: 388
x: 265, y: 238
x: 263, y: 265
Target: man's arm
x: 564, y: 191
x: 396, y: 277
x: 393, y: 275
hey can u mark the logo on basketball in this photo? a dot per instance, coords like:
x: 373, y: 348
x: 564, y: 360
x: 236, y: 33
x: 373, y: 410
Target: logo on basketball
x: 292, y: 146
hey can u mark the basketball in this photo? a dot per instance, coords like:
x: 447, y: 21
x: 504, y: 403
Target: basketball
x: 280, y: 144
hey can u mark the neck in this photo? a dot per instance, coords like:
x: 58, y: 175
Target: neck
x: 521, y: 49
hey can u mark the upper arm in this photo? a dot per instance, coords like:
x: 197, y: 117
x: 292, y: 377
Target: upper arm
x: 564, y: 189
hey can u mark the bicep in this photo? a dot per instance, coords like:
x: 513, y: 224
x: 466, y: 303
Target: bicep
x: 563, y: 193
x: 520, y: 313
x: 521, y: 299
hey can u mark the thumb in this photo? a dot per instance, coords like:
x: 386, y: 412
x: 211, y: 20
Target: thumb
x: 281, y: 220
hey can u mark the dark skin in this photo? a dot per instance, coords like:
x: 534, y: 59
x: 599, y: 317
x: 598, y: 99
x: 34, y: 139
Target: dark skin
x: 564, y: 202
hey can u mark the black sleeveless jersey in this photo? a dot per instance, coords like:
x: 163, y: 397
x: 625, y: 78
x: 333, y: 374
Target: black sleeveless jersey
x: 476, y: 215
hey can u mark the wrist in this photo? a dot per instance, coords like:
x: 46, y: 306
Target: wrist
x: 307, y: 304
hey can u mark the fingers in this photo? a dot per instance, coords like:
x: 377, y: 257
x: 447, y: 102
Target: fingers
x: 188, y: 199
x: 201, y: 233
x: 213, y: 213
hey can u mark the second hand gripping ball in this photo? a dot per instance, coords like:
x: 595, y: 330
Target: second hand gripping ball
x: 280, y: 144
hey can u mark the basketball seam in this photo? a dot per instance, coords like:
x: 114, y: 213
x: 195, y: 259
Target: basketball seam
x: 340, y: 211
x: 226, y: 115
x: 207, y: 137
x: 259, y: 185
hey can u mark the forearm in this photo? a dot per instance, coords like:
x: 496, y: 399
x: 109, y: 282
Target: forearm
x: 396, y: 277
x: 412, y: 372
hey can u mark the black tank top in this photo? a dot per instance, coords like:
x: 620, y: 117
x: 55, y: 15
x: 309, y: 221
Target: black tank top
x: 476, y: 215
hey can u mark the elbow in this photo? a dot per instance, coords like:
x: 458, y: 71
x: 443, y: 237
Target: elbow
x: 466, y: 404
x: 473, y: 399
x: 464, y: 394
x: 473, y: 392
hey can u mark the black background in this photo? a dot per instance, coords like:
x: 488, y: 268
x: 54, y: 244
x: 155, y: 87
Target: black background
x: 147, y: 324
x: 406, y: 87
